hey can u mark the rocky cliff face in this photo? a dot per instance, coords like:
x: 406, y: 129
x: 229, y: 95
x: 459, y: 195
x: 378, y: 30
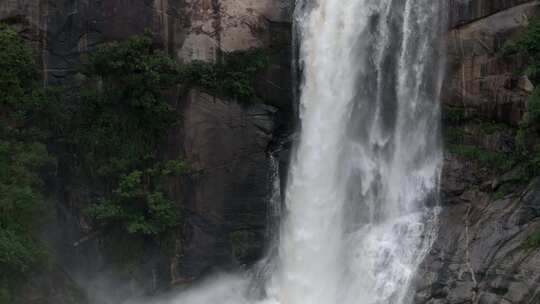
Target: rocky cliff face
x: 486, y: 216
x: 228, y: 144
x: 487, y: 213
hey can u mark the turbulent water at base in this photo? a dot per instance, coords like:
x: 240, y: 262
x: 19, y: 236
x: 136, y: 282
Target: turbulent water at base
x: 360, y: 204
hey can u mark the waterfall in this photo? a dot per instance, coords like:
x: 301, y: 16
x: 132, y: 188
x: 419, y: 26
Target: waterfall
x: 363, y: 183
x: 361, y: 200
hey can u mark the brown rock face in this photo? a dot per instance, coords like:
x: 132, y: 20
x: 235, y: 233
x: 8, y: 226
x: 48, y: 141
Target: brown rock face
x: 228, y: 144
x: 467, y: 11
x: 479, y: 78
x: 480, y: 255
x: 199, y: 29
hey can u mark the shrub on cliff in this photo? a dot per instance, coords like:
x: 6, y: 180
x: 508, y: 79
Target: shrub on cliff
x: 117, y: 133
x: 108, y: 138
x: 528, y: 44
x: 23, y: 157
x: 233, y: 77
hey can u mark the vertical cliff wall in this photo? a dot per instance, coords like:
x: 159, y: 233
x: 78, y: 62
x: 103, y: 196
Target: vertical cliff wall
x: 227, y: 143
x: 487, y: 212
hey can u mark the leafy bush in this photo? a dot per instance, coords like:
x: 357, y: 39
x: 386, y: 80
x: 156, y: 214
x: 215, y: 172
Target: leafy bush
x: 122, y: 117
x: 533, y: 108
x: 454, y: 135
x: 528, y: 44
x: 489, y: 127
x: 18, y: 73
x: 497, y: 161
x: 453, y: 115
x: 137, y: 206
x: 23, y: 156
x: 116, y: 133
x: 108, y: 140
x: 533, y: 241
x: 233, y: 77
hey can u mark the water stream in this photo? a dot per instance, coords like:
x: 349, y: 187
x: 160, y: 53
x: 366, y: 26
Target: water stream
x: 361, y: 200
x: 364, y: 180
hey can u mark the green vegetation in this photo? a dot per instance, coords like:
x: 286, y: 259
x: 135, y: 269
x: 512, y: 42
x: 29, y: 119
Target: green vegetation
x: 116, y: 131
x: 533, y: 241
x: 107, y: 141
x: 454, y: 135
x: 122, y: 118
x: 527, y: 150
x: 244, y: 244
x: 139, y: 210
x: 233, y: 77
x: 506, y: 188
x: 533, y: 108
x: 493, y: 160
x: 454, y: 115
x: 119, y: 125
x: 489, y: 127
x: 528, y: 44
x: 23, y: 161
x: 458, y: 128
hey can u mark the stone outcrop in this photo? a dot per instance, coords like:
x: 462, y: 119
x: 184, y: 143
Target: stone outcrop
x: 480, y: 79
x: 467, y: 11
x: 227, y: 144
x: 227, y: 25
x: 200, y: 29
x: 230, y: 143
x: 481, y: 254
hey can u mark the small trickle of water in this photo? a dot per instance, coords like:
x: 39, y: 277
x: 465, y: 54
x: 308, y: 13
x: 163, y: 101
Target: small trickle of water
x: 274, y: 201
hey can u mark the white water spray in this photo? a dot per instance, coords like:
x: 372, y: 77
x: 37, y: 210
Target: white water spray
x: 363, y: 185
x: 367, y: 165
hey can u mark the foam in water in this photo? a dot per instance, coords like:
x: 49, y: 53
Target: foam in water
x: 363, y: 185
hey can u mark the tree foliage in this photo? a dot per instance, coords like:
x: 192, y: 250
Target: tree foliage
x: 117, y: 131
x: 233, y: 77
x: 23, y: 157
x: 107, y: 140
x: 108, y: 137
x: 528, y: 44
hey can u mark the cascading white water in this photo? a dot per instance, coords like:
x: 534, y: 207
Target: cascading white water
x: 363, y: 185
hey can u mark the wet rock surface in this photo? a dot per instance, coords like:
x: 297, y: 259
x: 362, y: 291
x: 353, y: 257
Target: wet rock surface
x: 479, y: 78
x: 481, y: 255
x: 227, y: 143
